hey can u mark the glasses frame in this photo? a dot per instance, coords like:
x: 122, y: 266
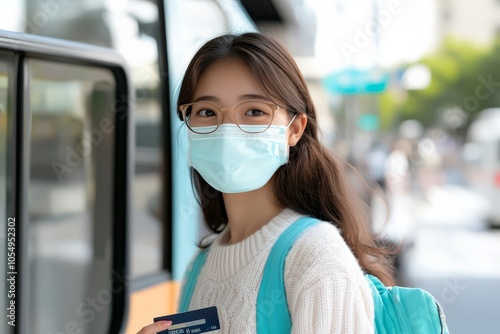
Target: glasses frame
x: 183, y: 108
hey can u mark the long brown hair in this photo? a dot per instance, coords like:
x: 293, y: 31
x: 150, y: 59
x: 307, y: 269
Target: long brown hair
x: 313, y: 182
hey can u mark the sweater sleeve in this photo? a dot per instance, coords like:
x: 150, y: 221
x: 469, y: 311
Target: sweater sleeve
x: 326, y: 289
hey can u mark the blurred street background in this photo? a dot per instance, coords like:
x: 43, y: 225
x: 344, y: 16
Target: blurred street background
x: 407, y: 91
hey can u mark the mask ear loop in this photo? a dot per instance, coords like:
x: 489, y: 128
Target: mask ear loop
x: 288, y: 146
x: 293, y: 119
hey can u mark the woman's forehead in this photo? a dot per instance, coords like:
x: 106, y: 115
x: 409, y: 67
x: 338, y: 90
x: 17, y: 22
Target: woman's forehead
x: 229, y: 81
x: 228, y: 78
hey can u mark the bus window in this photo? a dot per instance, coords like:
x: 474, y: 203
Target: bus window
x: 4, y: 215
x: 70, y: 196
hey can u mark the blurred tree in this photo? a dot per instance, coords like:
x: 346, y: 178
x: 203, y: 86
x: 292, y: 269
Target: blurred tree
x: 388, y: 110
x: 465, y: 80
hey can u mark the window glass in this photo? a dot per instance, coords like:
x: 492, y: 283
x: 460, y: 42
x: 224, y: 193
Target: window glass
x: 70, y: 198
x: 238, y: 20
x: 131, y: 28
x: 140, y: 49
x: 4, y: 218
x: 190, y: 23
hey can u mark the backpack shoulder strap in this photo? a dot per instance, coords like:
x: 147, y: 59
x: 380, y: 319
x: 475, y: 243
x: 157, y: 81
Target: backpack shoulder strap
x: 191, y: 279
x: 385, y: 317
x: 272, y: 308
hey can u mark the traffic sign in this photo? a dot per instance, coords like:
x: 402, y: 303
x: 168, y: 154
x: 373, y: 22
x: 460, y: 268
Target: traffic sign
x: 356, y: 81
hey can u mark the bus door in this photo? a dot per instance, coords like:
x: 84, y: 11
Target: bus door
x: 64, y: 171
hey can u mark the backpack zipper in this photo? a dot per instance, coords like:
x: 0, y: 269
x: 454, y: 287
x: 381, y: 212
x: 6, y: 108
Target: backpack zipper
x: 400, y: 310
x: 442, y: 316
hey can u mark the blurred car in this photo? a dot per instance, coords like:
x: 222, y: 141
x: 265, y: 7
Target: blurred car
x: 482, y: 155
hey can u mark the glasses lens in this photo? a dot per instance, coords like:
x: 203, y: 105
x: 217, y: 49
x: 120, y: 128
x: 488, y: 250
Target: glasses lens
x: 202, y: 117
x: 254, y: 116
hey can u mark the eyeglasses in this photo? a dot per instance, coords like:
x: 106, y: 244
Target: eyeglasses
x: 251, y: 116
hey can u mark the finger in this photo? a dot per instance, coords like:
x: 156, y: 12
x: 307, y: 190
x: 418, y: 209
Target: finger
x: 155, y: 327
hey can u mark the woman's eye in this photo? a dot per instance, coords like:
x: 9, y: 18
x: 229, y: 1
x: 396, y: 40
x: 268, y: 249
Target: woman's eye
x: 254, y: 112
x: 206, y: 113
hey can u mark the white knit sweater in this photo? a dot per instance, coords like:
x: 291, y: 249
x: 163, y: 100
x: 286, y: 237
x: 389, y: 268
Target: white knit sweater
x: 325, y: 288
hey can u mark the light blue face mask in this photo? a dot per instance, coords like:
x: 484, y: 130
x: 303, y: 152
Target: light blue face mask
x: 234, y: 161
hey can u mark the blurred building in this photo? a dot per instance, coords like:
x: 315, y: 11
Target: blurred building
x: 357, y: 33
x: 476, y: 21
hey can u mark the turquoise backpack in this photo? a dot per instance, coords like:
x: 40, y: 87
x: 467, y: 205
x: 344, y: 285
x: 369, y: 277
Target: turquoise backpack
x: 397, y: 309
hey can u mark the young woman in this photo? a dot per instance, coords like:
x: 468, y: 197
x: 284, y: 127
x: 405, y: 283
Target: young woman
x: 258, y: 166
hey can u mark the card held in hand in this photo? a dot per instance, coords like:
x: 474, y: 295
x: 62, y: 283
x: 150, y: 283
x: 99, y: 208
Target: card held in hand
x: 205, y: 320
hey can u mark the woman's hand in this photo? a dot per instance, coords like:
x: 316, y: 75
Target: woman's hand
x: 155, y: 327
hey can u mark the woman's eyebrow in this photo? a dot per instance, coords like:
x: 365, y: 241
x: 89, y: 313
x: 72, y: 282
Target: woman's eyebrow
x: 207, y: 98
x: 254, y: 97
x: 244, y: 97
